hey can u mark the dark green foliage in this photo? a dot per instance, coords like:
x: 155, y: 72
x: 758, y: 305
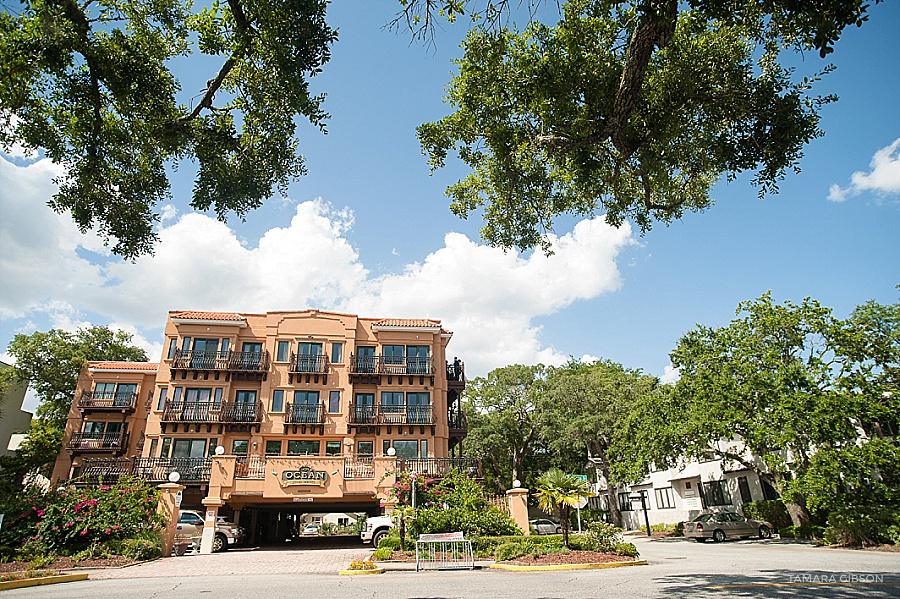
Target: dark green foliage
x: 508, y: 551
x: 489, y: 521
x: 629, y: 109
x: 626, y: 550
x: 382, y: 553
x: 807, y: 531
x: 390, y: 542
x: 769, y: 510
x: 92, y: 84
x: 861, y: 526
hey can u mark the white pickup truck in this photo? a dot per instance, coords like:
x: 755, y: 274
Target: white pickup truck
x: 376, y: 528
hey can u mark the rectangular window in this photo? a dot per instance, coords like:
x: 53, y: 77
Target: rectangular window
x: 273, y: 447
x: 225, y: 345
x: 282, y: 354
x: 186, y: 344
x: 624, y: 502
x: 385, y: 445
x: 302, y: 447
x: 153, y: 444
x: 245, y: 396
x: 211, y: 448
x: 365, y: 448
x: 393, y: 354
x: 337, y: 353
x: 715, y: 492
x: 423, y: 451
x: 96, y: 428
x: 217, y: 397
x: 166, y: 444
x: 163, y: 394
x: 278, y: 400
x: 418, y: 408
x: 334, y: 402
x: 363, y: 411
x: 406, y: 449
x: 365, y: 359
x: 173, y: 343
x: 176, y: 395
x: 744, y: 488
x: 417, y: 359
x: 333, y: 448
x: 665, y: 498
x: 189, y: 448
x: 240, y: 446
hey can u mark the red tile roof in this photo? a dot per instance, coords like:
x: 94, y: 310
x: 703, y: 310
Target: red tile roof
x: 124, y: 365
x: 408, y: 322
x: 193, y: 315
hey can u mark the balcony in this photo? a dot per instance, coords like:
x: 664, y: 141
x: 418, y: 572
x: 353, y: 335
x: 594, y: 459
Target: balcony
x: 382, y: 415
x: 456, y: 375
x: 155, y: 470
x: 227, y: 416
x: 98, y: 443
x: 311, y: 365
x: 440, y: 467
x: 235, y: 365
x: 300, y: 416
x: 107, y: 401
x: 370, y: 369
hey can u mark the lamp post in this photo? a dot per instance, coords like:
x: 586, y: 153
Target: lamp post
x: 642, y: 495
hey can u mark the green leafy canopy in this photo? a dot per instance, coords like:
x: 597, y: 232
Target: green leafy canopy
x: 92, y: 84
x: 633, y: 108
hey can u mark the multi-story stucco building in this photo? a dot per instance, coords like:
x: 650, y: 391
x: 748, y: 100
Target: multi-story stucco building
x: 312, y: 410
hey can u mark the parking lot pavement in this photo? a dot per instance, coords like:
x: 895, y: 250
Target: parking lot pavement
x: 238, y: 562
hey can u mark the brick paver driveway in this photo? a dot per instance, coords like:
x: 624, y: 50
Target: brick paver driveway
x: 242, y: 562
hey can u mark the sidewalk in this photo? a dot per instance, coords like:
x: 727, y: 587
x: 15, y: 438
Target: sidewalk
x: 241, y: 562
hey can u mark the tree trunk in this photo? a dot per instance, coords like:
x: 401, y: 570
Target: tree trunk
x: 795, y: 503
x: 612, y: 495
x: 564, y: 524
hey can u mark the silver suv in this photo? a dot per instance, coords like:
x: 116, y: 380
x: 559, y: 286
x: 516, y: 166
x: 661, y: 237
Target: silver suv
x: 190, y: 524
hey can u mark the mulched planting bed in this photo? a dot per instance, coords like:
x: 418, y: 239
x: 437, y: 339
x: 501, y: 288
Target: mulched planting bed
x: 572, y: 557
x: 66, y: 563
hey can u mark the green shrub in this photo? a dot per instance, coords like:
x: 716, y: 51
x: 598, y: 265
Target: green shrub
x: 626, y: 549
x: 473, y: 522
x: 508, y: 551
x: 94, y: 551
x: 861, y: 526
x: 770, y: 510
x: 38, y: 562
x: 140, y: 549
x: 382, y: 553
x: 678, y: 531
x: 807, y: 531
x: 583, y: 542
x: 390, y: 542
x: 604, y: 536
x: 893, y: 533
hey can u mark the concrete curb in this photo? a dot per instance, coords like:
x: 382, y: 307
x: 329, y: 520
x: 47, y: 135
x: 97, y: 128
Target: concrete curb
x: 361, y: 572
x: 33, y: 582
x: 514, y: 568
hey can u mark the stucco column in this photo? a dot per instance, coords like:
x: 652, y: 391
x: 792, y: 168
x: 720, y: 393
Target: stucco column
x: 389, y: 505
x: 209, y: 524
x: 169, y: 510
x: 518, y: 508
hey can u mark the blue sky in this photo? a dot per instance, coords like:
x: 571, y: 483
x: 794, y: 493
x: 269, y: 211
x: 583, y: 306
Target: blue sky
x: 368, y: 230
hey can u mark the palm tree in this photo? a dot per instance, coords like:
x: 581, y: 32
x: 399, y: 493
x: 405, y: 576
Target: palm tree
x: 559, y: 492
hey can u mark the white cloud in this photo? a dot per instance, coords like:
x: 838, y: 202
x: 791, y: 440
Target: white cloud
x: 167, y: 213
x: 488, y: 297
x: 884, y: 178
x: 670, y: 375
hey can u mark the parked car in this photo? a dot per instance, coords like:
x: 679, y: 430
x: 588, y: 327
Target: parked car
x: 723, y: 525
x: 190, y: 523
x: 545, y: 527
x: 310, y: 530
x: 376, y: 528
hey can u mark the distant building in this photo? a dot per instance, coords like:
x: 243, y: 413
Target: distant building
x: 14, y: 421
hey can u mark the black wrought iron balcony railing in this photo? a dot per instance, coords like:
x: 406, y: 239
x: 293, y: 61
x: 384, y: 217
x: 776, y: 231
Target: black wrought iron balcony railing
x: 400, y: 414
x: 250, y: 412
x: 200, y: 412
x: 100, y: 442
x: 391, y: 365
x: 237, y: 361
x: 300, y: 413
x: 456, y: 420
x: 309, y: 363
x: 107, y: 400
x: 456, y: 372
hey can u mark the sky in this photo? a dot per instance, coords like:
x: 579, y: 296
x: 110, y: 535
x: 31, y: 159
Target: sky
x: 369, y: 231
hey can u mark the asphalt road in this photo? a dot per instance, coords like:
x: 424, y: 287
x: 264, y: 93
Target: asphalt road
x: 678, y: 569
